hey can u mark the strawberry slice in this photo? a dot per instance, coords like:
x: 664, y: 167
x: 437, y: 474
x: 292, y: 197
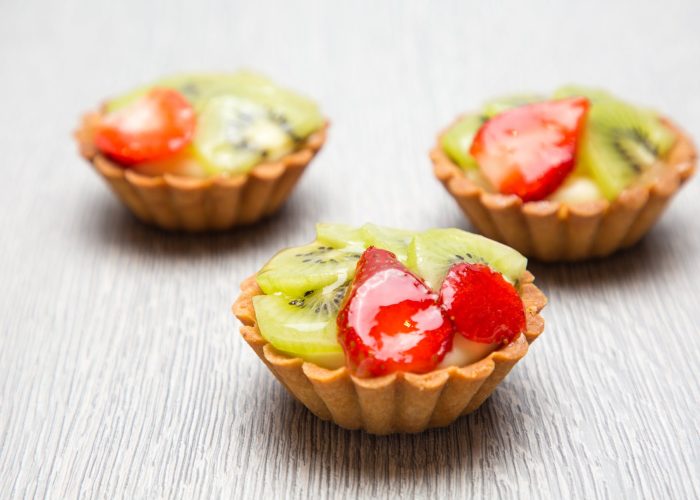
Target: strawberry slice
x: 482, y: 305
x: 391, y: 321
x: 529, y: 150
x: 155, y: 126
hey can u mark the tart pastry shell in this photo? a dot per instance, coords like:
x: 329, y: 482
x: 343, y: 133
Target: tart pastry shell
x: 175, y: 202
x: 399, y: 402
x: 553, y: 231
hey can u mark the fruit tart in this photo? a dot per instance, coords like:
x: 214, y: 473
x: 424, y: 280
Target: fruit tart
x: 565, y: 177
x: 389, y: 330
x: 204, y: 151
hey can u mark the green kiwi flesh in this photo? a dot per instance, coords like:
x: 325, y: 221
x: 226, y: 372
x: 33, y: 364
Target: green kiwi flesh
x: 345, y: 236
x: 303, y: 326
x: 620, y: 143
x: 300, y: 115
x: 431, y: 254
x: 457, y: 140
x: 388, y: 238
x: 235, y: 134
x: 296, y: 271
x: 340, y: 235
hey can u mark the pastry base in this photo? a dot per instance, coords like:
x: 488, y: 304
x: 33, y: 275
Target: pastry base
x: 192, y: 204
x: 400, y: 402
x: 554, y: 231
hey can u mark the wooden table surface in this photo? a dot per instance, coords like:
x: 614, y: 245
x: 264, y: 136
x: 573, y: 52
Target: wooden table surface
x: 122, y: 373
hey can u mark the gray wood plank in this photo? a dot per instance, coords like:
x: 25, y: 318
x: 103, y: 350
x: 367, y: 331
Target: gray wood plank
x: 121, y: 370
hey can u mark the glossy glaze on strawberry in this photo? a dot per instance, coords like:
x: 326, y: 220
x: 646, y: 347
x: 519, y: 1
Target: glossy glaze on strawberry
x: 529, y: 150
x: 483, y: 306
x: 391, y: 320
x: 156, y: 126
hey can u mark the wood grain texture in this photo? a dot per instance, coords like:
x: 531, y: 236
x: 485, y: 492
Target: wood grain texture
x: 121, y: 370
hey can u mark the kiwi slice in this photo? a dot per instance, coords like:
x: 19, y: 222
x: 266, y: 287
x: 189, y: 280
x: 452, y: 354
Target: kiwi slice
x: 296, y: 271
x: 497, y: 106
x: 620, y: 143
x: 388, y: 238
x: 345, y: 236
x: 234, y: 134
x: 340, y: 235
x: 304, y: 326
x: 432, y: 252
x: 300, y: 115
x: 457, y: 141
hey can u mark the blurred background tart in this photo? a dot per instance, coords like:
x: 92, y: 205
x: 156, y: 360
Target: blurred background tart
x: 203, y: 151
x: 574, y: 175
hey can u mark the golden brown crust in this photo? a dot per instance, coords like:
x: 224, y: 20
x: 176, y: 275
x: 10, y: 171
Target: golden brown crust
x: 194, y: 204
x: 400, y: 402
x: 555, y: 231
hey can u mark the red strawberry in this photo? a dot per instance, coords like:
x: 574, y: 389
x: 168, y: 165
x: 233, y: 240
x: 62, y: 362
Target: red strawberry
x: 529, y: 150
x: 482, y: 305
x: 153, y: 127
x: 390, y: 320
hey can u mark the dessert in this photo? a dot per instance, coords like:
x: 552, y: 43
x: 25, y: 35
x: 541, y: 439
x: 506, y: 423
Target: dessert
x: 390, y: 330
x: 204, y: 151
x: 565, y: 177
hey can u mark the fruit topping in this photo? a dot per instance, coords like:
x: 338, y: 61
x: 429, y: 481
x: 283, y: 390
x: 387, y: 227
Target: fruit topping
x: 243, y: 119
x: 431, y: 253
x: 391, y: 320
x: 529, y: 150
x: 303, y: 326
x: 482, y: 305
x: 620, y: 141
x: 296, y: 271
x: 392, y: 308
x: 340, y: 235
x: 234, y: 134
x: 388, y: 238
x: 155, y: 126
x: 458, y: 139
x: 300, y: 115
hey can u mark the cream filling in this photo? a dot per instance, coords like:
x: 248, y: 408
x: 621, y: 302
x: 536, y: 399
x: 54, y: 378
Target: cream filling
x: 577, y: 189
x: 465, y: 352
